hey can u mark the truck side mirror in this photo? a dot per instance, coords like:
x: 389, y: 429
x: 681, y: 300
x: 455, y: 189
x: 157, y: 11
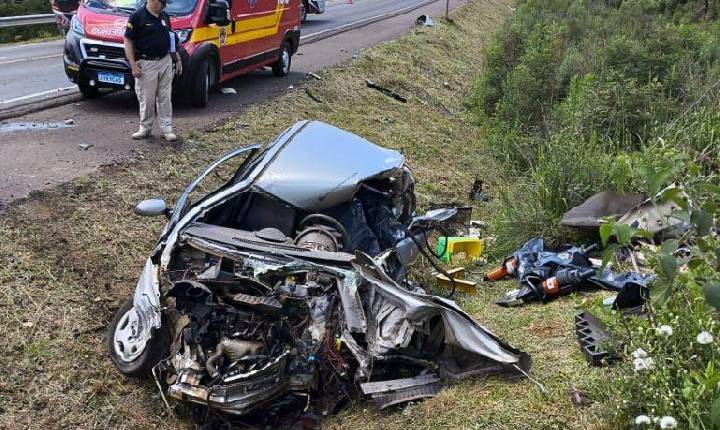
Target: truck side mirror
x: 218, y: 13
x: 153, y: 207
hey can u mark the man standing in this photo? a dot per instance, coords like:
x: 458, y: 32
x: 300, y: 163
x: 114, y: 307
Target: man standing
x: 147, y: 48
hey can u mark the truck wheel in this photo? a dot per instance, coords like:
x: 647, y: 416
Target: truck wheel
x: 131, y: 357
x: 282, y: 66
x: 303, y: 12
x: 200, y: 90
x: 87, y: 91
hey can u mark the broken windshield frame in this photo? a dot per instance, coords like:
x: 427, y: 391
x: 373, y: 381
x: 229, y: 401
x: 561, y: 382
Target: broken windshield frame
x: 185, y: 197
x: 173, y: 8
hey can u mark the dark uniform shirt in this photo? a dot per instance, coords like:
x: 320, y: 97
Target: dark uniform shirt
x: 150, y: 34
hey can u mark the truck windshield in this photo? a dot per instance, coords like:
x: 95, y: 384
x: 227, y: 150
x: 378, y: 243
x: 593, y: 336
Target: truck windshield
x: 173, y: 8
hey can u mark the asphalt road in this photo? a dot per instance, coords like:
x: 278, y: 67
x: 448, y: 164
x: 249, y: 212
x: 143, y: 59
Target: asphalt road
x: 35, y: 71
x: 39, y: 151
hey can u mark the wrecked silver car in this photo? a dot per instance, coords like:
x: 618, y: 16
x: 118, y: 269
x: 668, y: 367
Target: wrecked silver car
x: 285, y: 292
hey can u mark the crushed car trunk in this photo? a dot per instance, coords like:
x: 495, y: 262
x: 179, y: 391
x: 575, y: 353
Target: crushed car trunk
x: 286, y: 292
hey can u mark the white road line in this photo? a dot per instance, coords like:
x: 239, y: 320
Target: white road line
x: 372, y: 19
x: 42, y: 93
x: 30, y: 59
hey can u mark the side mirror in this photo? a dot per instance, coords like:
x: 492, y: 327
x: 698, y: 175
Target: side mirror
x: 218, y: 13
x: 153, y: 207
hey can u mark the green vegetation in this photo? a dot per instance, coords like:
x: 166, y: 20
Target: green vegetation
x: 581, y: 96
x: 577, y: 95
x: 26, y: 33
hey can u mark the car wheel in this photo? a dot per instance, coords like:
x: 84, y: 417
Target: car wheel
x: 131, y: 356
x: 282, y: 66
x: 303, y: 12
x: 202, y: 81
x: 87, y: 91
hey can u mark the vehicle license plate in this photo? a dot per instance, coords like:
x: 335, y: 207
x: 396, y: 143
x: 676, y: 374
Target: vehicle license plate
x: 111, y: 78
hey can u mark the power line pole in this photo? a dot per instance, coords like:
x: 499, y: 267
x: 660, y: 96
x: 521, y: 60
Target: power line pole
x: 447, y: 9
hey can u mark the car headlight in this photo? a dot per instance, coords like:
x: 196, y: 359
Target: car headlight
x: 76, y: 26
x: 183, y: 35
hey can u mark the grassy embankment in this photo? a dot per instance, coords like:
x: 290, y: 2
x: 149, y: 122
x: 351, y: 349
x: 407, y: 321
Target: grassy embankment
x: 69, y: 256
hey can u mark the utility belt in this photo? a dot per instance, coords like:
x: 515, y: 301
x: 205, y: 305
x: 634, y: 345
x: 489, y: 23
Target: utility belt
x: 148, y: 58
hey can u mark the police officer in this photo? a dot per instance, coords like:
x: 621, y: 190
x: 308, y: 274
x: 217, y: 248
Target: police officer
x: 147, y: 48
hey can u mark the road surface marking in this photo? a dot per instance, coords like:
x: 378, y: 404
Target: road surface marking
x: 42, y: 93
x: 31, y: 58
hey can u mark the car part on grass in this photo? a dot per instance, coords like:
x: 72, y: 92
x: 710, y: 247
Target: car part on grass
x: 654, y: 215
x: 279, y: 293
x: 459, y: 283
x: 593, y: 336
x: 544, y: 274
x: 592, y: 212
x: 477, y: 193
x: 388, y: 92
x: 425, y: 21
x: 472, y: 247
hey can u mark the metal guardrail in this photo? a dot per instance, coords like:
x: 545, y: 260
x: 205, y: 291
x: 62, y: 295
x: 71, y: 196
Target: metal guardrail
x: 16, y: 21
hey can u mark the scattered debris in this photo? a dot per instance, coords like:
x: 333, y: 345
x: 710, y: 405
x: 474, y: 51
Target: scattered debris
x: 313, y: 75
x: 593, y: 336
x: 313, y: 96
x: 457, y: 282
x: 545, y: 274
x: 291, y: 87
x: 425, y: 21
x: 290, y: 287
x: 446, y: 84
x: 590, y: 214
x: 69, y: 121
x: 228, y: 90
x: 27, y: 324
x: 477, y: 193
x: 84, y: 146
x: 577, y: 397
x: 470, y: 246
x: 388, y: 92
x: 634, y: 209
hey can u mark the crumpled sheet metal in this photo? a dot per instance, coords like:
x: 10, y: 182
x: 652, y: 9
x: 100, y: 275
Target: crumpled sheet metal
x: 408, y: 310
x: 591, y: 212
x: 633, y: 209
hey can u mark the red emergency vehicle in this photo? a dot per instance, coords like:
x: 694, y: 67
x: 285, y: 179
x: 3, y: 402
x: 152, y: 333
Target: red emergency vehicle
x: 218, y: 41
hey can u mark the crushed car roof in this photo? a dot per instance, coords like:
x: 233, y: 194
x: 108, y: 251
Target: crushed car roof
x: 320, y: 166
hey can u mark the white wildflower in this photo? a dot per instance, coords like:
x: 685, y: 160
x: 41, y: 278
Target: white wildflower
x: 639, y: 353
x: 664, y: 331
x: 704, y: 338
x: 641, y: 420
x: 667, y: 422
x: 643, y: 364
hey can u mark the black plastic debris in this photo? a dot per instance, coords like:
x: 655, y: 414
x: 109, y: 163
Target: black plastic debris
x: 387, y: 91
x: 593, y: 335
x: 477, y: 193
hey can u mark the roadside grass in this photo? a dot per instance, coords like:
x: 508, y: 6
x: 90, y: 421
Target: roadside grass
x: 69, y: 257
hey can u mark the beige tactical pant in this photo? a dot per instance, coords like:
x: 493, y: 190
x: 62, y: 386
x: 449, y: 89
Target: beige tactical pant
x: 154, y: 90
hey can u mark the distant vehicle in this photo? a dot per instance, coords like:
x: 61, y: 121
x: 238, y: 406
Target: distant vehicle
x: 311, y: 6
x: 64, y: 11
x: 218, y: 42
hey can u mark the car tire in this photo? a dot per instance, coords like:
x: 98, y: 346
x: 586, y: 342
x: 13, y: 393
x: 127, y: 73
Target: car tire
x: 282, y: 66
x: 87, y: 91
x: 303, y: 12
x: 156, y: 349
x: 201, y: 84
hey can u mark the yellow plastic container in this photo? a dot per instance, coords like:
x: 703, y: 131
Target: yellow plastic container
x: 472, y: 247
